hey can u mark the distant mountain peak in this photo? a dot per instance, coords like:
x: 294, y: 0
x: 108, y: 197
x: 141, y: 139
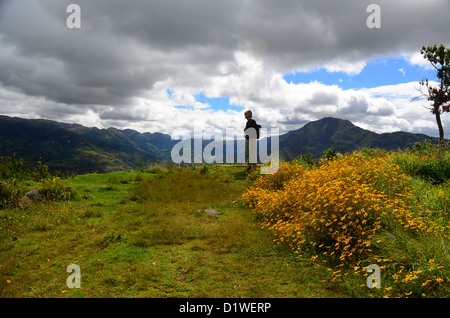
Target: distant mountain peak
x: 342, y: 135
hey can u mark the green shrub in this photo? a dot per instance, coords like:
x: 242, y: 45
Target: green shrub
x: 10, y: 194
x: 15, y: 168
x: 53, y: 190
x: 426, y: 162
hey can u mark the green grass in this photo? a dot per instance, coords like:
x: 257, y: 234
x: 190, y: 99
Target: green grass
x: 143, y: 234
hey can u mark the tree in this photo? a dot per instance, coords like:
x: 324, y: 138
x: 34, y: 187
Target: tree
x: 438, y: 92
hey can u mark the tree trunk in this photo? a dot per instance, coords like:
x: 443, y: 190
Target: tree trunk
x: 441, y: 131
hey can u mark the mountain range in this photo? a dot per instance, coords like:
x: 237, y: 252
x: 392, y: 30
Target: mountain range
x: 343, y: 136
x: 79, y: 149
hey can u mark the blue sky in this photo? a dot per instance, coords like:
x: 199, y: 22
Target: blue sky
x: 216, y: 103
x: 378, y: 72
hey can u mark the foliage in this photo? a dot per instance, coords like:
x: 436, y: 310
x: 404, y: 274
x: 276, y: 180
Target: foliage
x: 54, y: 190
x: 353, y: 211
x: 16, y: 168
x: 307, y: 158
x: 203, y: 168
x: 330, y: 154
x: 425, y: 161
x: 20, y: 176
x: 439, y: 58
x: 333, y: 210
x: 10, y: 194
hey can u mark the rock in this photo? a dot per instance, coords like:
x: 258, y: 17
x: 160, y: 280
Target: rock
x: 25, y: 202
x: 33, y: 195
x: 29, y: 198
x: 210, y: 211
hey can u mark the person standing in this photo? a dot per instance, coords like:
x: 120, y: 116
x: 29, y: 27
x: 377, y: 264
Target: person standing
x: 250, y: 137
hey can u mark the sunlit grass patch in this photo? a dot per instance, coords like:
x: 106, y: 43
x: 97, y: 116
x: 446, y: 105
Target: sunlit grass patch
x: 145, y: 234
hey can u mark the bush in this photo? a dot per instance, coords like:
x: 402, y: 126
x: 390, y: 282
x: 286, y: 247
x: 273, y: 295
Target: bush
x: 12, y: 168
x: 353, y: 211
x: 333, y: 210
x: 20, y: 175
x: 426, y: 162
x: 435, y: 170
x: 203, y: 168
x: 10, y: 194
x: 53, y: 190
x: 15, y: 168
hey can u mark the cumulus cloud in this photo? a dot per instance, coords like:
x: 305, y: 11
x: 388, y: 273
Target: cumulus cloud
x: 403, y: 113
x: 117, y: 69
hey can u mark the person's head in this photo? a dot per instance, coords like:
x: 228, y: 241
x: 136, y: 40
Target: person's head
x: 248, y: 114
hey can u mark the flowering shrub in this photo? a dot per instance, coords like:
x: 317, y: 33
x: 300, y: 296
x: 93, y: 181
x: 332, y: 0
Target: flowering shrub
x: 332, y: 210
x: 344, y: 213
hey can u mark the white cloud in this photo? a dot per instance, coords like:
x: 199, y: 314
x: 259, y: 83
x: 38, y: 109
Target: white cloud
x: 349, y: 67
x: 408, y: 114
x: 417, y: 59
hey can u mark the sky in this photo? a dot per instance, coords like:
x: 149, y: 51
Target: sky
x: 155, y: 66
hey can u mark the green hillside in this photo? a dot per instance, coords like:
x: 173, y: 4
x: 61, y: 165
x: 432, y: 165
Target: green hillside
x: 69, y: 150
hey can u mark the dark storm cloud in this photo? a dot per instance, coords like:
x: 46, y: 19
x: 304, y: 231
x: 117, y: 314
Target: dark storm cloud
x: 311, y: 33
x: 94, y: 65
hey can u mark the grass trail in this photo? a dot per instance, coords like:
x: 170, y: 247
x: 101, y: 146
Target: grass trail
x: 145, y: 235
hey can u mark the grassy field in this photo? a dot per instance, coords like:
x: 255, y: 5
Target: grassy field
x: 144, y: 234
x: 310, y: 230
